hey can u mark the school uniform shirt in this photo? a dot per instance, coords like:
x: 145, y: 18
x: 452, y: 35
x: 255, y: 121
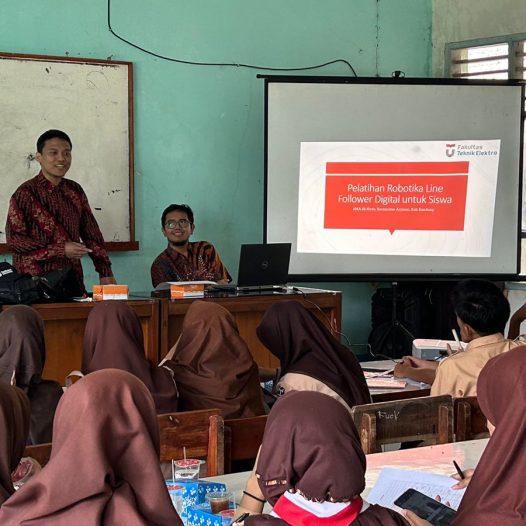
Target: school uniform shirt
x: 457, y: 375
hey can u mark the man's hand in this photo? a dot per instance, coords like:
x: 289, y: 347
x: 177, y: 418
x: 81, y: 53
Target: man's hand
x: 416, y: 369
x: 75, y: 250
x: 409, y: 364
x: 515, y: 322
x: 108, y: 280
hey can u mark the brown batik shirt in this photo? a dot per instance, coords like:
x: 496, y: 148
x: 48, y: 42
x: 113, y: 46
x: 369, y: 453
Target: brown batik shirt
x: 202, y: 263
x: 42, y: 217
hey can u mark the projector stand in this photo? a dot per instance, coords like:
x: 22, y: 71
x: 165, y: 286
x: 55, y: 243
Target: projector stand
x: 395, y: 332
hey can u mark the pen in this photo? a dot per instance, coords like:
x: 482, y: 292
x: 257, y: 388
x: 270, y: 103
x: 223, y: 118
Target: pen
x: 459, y: 471
x: 241, y: 518
x: 457, y: 339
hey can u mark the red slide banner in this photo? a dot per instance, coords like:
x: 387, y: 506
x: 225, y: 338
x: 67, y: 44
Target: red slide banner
x: 396, y: 195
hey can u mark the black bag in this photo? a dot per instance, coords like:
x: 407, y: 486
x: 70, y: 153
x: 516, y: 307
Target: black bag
x: 15, y: 287
x: 58, y: 285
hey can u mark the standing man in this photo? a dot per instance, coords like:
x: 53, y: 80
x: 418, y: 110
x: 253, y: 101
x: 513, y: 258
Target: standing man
x: 184, y: 260
x: 50, y: 225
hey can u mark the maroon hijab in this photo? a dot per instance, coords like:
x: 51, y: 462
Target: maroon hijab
x: 304, y: 345
x: 311, y: 446
x: 212, y: 365
x: 104, y: 465
x: 22, y: 347
x: 14, y: 428
x: 497, y: 491
x: 22, y: 351
x: 113, y: 339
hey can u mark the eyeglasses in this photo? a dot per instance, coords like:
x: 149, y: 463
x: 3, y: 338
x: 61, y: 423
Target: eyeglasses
x: 182, y: 223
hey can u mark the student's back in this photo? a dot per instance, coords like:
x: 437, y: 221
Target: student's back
x: 104, y: 465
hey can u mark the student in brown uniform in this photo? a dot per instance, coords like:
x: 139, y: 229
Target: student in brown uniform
x: 104, y: 466
x: 311, y: 467
x: 14, y: 427
x: 495, y: 489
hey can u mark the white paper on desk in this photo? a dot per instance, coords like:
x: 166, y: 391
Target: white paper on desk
x: 393, y: 482
x: 165, y: 285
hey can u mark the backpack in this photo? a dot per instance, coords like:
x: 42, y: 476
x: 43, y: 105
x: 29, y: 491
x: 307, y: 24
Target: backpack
x: 16, y: 287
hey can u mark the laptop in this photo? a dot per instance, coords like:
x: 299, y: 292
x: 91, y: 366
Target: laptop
x: 261, y: 267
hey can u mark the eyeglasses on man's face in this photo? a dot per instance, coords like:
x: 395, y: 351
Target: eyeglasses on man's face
x: 181, y: 223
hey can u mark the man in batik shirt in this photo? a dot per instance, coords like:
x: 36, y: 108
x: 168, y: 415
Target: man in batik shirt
x: 50, y: 225
x: 184, y: 260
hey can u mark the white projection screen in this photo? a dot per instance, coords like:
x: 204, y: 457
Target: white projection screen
x: 391, y: 178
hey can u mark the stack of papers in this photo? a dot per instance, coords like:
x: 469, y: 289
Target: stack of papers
x: 384, y: 380
x: 165, y: 285
x: 386, y: 383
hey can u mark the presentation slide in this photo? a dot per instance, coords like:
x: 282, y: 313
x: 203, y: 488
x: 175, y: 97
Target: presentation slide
x: 379, y: 178
x: 421, y: 198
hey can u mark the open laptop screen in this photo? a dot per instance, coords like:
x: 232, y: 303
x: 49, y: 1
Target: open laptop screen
x: 263, y: 264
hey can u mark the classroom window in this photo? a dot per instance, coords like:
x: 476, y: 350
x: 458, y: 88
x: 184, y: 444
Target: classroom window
x: 492, y: 58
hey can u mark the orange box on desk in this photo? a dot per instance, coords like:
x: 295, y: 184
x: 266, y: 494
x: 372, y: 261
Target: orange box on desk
x: 110, y: 292
x: 186, y: 291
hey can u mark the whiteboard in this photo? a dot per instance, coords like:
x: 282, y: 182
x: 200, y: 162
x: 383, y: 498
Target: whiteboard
x: 91, y: 101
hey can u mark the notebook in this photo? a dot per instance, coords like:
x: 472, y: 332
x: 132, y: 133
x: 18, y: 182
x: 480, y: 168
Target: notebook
x: 261, y: 267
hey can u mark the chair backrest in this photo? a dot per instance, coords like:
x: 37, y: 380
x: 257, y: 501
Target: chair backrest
x: 470, y: 422
x: 40, y: 452
x: 416, y: 419
x: 201, y: 433
x: 243, y: 436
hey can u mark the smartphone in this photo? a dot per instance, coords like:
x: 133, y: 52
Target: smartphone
x: 425, y: 507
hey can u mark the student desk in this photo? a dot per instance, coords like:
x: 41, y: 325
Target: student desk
x: 248, y: 310
x: 411, y: 390
x: 433, y: 459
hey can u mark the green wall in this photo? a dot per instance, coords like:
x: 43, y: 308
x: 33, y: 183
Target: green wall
x: 199, y: 129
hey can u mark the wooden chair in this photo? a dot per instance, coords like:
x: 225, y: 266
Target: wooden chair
x: 470, y: 422
x: 40, y: 452
x: 243, y: 436
x: 201, y: 433
x: 416, y: 419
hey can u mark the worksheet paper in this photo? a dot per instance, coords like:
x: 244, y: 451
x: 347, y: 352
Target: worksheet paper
x: 392, y: 483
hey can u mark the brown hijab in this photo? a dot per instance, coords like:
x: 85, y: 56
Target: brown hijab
x: 104, y: 465
x: 304, y: 345
x: 497, y: 493
x: 113, y: 339
x: 22, y: 351
x: 22, y: 347
x: 14, y: 428
x: 311, y: 446
x: 212, y: 365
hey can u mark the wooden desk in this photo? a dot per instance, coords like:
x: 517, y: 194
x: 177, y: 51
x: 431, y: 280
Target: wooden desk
x: 433, y: 459
x: 248, y: 310
x: 411, y: 390
x: 64, y: 325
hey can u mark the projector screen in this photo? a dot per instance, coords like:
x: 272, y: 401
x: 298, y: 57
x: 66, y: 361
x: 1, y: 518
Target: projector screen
x: 376, y: 178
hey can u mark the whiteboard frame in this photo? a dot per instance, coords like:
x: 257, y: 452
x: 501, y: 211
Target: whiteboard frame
x: 130, y: 244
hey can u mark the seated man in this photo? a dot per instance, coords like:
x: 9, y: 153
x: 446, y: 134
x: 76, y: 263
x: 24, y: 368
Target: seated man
x: 482, y: 312
x: 184, y: 260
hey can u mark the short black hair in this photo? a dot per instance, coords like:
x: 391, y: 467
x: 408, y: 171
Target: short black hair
x: 482, y: 305
x: 177, y: 208
x: 51, y: 134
